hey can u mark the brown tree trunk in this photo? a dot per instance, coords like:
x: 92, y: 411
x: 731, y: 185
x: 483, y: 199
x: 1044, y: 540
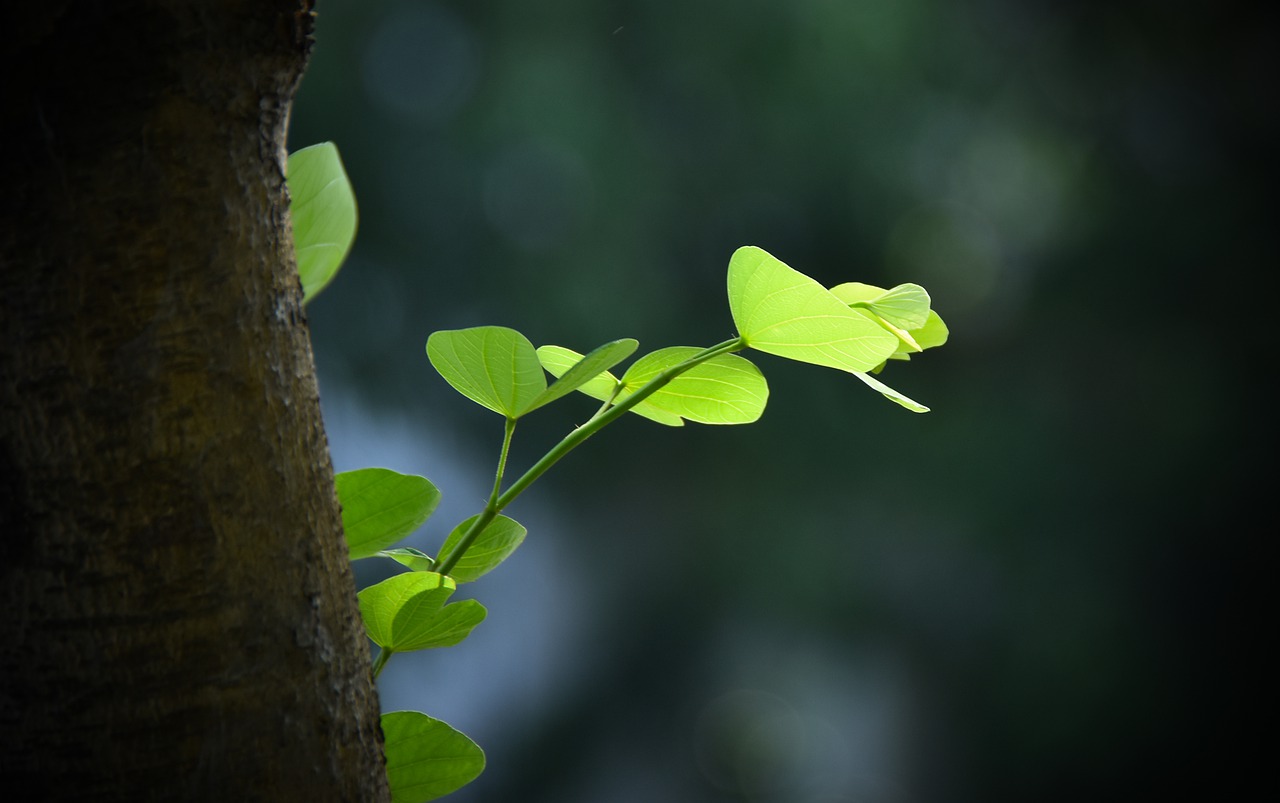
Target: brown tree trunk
x: 177, y: 614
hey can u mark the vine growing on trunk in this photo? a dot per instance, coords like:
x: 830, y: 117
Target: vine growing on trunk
x: 852, y: 327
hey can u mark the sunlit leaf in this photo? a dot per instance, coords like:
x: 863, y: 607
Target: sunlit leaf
x: 929, y: 333
x: 426, y: 758
x: 587, y: 369
x: 407, y: 612
x: 493, y: 366
x: 727, y: 389
x: 381, y: 507
x: 558, y: 360
x: 323, y: 214
x: 415, y: 559
x: 780, y: 311
x: 380, y: 603
x: 891, y: 394
x: 491, y: 547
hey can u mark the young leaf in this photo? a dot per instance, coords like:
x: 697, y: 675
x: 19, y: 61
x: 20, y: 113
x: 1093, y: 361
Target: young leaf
x: 891, y: 394
x: 381, y: 506
x: 415, y: 559
x: 407, y: 612
x: 723, y: 390
x: 323, y: 214
x: 587, y: 369
x: 780, y: 311
x: 493, y: 366
x: 558, y: 360
x: 929, y: 332
x: 491, y: 547
x: 426, y: 758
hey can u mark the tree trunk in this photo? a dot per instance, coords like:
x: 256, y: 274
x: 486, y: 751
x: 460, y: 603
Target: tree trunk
x: 177, y: 612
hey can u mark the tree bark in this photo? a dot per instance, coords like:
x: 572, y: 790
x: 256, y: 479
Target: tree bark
x: 177, y: 612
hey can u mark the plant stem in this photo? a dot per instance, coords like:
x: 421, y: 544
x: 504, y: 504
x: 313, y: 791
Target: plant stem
x: 571, y: 441
x: 445, y: 563
x: 600, y: 420
x: 384, y: 655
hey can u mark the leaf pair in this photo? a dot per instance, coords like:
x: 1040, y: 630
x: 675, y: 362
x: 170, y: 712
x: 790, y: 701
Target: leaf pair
x: 407, y: 612
x: 852, y: 327
x: 500, y: 369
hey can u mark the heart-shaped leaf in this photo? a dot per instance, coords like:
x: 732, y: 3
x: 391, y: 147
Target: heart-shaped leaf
x: 381, y: 507
x: 493, y: 366
x: 426, y: 758
x: 323, y: 214
x: 780, y: 311
x: 407, y: 612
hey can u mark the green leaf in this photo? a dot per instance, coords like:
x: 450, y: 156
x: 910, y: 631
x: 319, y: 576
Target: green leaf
x: 558, y: 360
x: 407, y: 612
x: 891, y: 394
x: 426, y: 758
x: 415, y: 559
x: 928, y: 333
x: 493, y: 366
x: 381, y: 507
x: 494, y: 544
x: 780, y: 311
x: 727, y: 389
x: 587, y: 369
x: 323, y: 214
x: 381, y: 602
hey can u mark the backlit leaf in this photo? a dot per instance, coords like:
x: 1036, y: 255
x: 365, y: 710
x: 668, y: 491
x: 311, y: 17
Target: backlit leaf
x: 586, y: 370
x: 558, y: 360
x: 493, y: 366
x: 322, y: 210
x: 727, y: 389
x: 780, y: 311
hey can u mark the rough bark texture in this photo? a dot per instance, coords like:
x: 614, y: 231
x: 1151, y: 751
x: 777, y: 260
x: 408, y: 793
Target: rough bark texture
x: 177, y: 614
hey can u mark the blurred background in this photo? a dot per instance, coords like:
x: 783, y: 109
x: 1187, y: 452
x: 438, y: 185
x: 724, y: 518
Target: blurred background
x: 1031, y: 593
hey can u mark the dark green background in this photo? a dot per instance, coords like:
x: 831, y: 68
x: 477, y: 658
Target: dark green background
x: 1031, y: 593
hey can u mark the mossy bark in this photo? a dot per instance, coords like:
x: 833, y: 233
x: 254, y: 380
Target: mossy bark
x: 177, y: 613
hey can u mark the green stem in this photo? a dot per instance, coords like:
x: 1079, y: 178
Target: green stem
x: 384, y: 655
x: 445, y: 563
x: 600, y: 420
x: 571, y: 441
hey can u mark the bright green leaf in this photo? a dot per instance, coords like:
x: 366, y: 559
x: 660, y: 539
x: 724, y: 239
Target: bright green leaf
x: 407, y: 612
x: 933, y: 333
x: 928, y: 334
x: 891, y: 394
x: 381, y: 507
x: 727, y: 389
x: 493, y: 366
x: 587, y: 369
x: 780, y: 311
x: 415, y: 559
x: 494, y: 544
x: 323, y: 214
x: 426, y: 758
x: 382, y: 602
x: 558, y: 360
